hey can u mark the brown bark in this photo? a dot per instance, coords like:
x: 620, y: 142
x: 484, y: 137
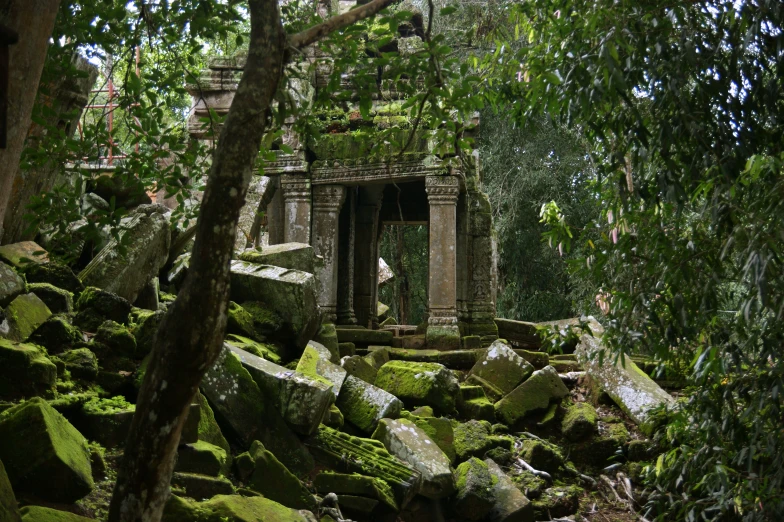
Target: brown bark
x: 190, y: 336
x: 33, y: 20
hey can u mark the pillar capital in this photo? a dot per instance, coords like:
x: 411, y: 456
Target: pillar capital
x: 442, y: 190
x: 328, y: 198
x: 295, y: 187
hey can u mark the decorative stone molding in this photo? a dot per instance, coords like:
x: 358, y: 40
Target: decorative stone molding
x: 286, y: 163
x: 442, y: 317
x: 328, y: 198
x: 442, y: 190
x: 295, y: 188
x: 360, y: 170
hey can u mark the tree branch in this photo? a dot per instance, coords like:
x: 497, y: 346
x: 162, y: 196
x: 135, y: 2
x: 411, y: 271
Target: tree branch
x: 317, y: 32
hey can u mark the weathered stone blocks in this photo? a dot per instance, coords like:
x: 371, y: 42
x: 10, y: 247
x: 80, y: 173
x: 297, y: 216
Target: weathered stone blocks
x: 11, y: 284
x: 363, y: 404
x: 25, y: 371
x: 419, y: 384
x: 502, y: 367
x: 509, y: 503
x: 532, y: 395
x: 294, y: 256
x: 25, y: 313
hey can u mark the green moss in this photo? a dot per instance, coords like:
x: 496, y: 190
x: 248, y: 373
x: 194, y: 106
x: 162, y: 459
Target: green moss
x: 355, y: 484
x: 273, y: 480
x: 56, y: 299
x: 418, y: 384
x: 542, y: 455
x: 55, y: 274
x: 307, y: 365
x: 579, y: 422
x: 474, y: 497
x: 25, y: 313
x: 95, y: 306
x: 144, y: 329
x: 266, y: 351
x: 236, y: 508
x: 472, y: 438
x: 240, y: 321
x: 56, y: 334
x: 557, y: 502
x: 204, y: 458
x: 98, y: 406
x: 329, y: 338
x: 265, y: 321
x: 45, y: 514
x: 165, y: 297
x: 439, y: 338
x: 25, y: 371
x: 117, y: 338
x: 209, y: 431
x: 81, y: 362
x: 529, y: 484
x: 440, y: 431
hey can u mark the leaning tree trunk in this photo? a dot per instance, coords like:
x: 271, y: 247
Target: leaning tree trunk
x: 190, y: 337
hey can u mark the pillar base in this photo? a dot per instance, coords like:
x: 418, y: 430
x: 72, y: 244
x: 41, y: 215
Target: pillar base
x: 443, y: 337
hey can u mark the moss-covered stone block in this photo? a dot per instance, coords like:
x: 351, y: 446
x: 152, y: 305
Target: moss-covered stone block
x: 418, y: 384
x: 542, y: 455
x: 295, y: 256
x: 316, y: 363
x: 509, y: 503
x: 56, y: 334
x: 363, y: 404
x: 81, y: 362
x: 474, y: 497
x: 273, y: 480
x: 356, y: 485
x: 328, y: 337
x: 208, y: 429
x: 95, y: 306
x: 55, y: 274
x: 117, y: 338
x: 9, y: 511
x: 234, y: 508
x: 22, y: 254
x: 45, y: 514
x: 557, y: 502
x: 347, y: 349
x: 492, y: 392
x: 473, y: 439
x: 529, y: 484
x: 502, y: 367
x: 537, y: 359
x: 334, y: 418
x: 602, y: 446
x: 264, y: 350
x: 56, y: 299
x: 24, y: 314
x: 11, y: 284
x: 201, y: 486
x: 25, y: 371
x: 472, y: 403
x: 442, y: 338
x: 360, y: 368
x: 532, y: 395
x: 364, y: 337
x: 203, y: 458
x: 44, y: 455
x: 106, y: 420
x: 579, y: 421
x: 440, y: 431
x: 144, y: 329
x: 239, y: 321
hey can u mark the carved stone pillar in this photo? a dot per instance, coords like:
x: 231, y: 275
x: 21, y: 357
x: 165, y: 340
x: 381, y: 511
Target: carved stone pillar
x: 442, y: 330
x: 347, y: 225
x: 366, y: 255
x: 327, y: 200
x: 296, y: 201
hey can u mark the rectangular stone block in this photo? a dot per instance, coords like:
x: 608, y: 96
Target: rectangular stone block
x: 520, y: 333
x: 363, y: 404
x: 363, y: 337
x: 294, y: 256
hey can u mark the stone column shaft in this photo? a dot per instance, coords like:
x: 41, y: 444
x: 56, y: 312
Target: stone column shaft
x: 296, y: 201
x: 442, y: 194
x: 327, y: 200
x: 366, y: 256
x: 346, y: 260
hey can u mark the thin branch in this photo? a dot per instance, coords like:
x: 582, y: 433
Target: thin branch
x: 317, y: 32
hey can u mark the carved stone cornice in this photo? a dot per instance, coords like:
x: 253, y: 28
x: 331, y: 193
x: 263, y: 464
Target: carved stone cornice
x: 363, y: 170
x: 295, y: 188
x: 328, y: 198
x: 442, y: 316
x: 442, y: 190
x: 286, y: 163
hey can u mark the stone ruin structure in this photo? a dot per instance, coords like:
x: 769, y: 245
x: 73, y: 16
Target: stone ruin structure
x: 336, y: 192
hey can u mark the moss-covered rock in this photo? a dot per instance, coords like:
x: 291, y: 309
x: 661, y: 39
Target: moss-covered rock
x: 347, y: 349
x: 11, y: 284
x: 24, y: 253
x: 25, y: 371
x: 95, y: 306
x: 200, y: 486
x: 24, y: 314
x: 440, y: 431
x: 532, y: 395
x: 474, y: 498
x: 273, y: 480
x: 418, y: 384
x: 360, y: 368
x: 473, y: 404
x: 364, y: 337
x: 363, y: 404
x: 45, y: 514
x: 203, y: 458
x: 9, y: 511
x: 143, y: 329
x: 509, y: 504
x: 239, y: 321
x: 117, y: 338
x: 106, y: 420
x: 602, y: 446
x: 542, y: 455
x: 355, y: 484
x: 557, y: 502
x: 209, y: 431
x: 579, y: 421
x: 56, y: 334
x: 43, y: 453
x: 502, y: 367
x: 265, y: 350
x: 472, y: 439
x: 234, y: 508
x: 529, y: 484
x: 81, y: 362
x: 55, y: 274
x: 56, y: 299
x: 328, y: 337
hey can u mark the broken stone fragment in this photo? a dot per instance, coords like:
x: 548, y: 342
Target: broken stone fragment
x: 502, y: 367
x: 314, y: 364
x: 474, y: 498
x: 43, y: 453
x: 631, y: 389
x: 491, y: 392
x: 143, y: 330
x: 56, y: 334
x: 106, y: 421
x: 355, y: 485
x: 117, y: 338
x: 509, y: 504
x: 201, y: 486
x: 203, y: 458
x: 440, y: 431
x: 56, y: 299
x: 473, y: 439
x: 11, y: 284
x: 543, y: 456
x: 125, y: 271
x: 294, y: 256
x: 291, y: 294
x: 364, y: 337
x: 378, y: 358
x: 558, y: 502
x: 232, y: 507
x: 8, y: 507
x: 418, y: 384
x: 239, y: 321
x: 328, y: 338
x: 20, y: 255
x: 363, y: 404
x: 472, y: 403
x: 607, y: 443
x: 532, y: 395
x: 275, y: 482
x: 334, y: 418
x: 406, y: 441
x: 579, y: 421
x: 301, y: 399
x: 366, y: 457
x: 25, y: 313
x: 81, y: 362
x: 360, y: 368
x: 45, y: 514
x: 208, y: 429
x: 264, y: 350
x: 56, y: 274
x: 95, y: 306
x: 459, y: 359
x: 347, y: 349
x: 248, y: 415
x: 25, y: 371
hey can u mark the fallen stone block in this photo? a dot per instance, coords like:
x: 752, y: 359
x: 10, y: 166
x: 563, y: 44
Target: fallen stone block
x: 106, y: 421
x: 347, y: 349
x: 43, y: 453
x: 117, y: 339
x: 509, y: 503
x: 247, y: 415
x: 522, y: 334
x: 58, y: 301
x: 406, y: 441
x: 378, y: 357
x: 440, y: 431
x: 56, y: 334
x: 532, y: 395
x: 81, y: 362
x: 355, y: 485
x: 472, y: 403
x: 11, y: 284
x: 631, y: 389
x: 45, y: 514
x: 537, y: 359
x: 458, y: 359
x: 294, y: 256
x: 502, y: 367
x: 418, y: 384
x: 289, y: 293
x: 201, y: 486
x: 328, y: 338
x: 560, y: 501
x: 9, y: 511
x: 364, y: 337
x: 144, y: 329
x: 542, y: 455
x: 366, y: 457
x: 20, y: 255
x: 25, y: 371
x: 402, y: 354
x: 473, y: 439
x: 235, y: 508
x: 360, y: 368
x: 203, y: 458
x: 208, y: 429
x: 474, y: 497
x: 25, y: 313
x: 491, y: 391
x: 606, y: 443
x: 146, y: 237
x: 363, y: 404
x: 56, y: 274
x: 302, y: 400
x: 579, y: 421
x: 264, y: 350
x: 95, y: 306
x: 334, y: 418
x: 314, y: 364
x: 275, y: 482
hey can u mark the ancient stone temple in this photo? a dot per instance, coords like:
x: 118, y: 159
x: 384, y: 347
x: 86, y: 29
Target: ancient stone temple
x: 339, y: 188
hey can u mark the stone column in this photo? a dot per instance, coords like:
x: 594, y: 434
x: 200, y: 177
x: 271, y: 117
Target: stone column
x: 347, y: 224
x: 366, y: 254
x: 442, y: 330
x: 327, y: 200
x: 296, y: 201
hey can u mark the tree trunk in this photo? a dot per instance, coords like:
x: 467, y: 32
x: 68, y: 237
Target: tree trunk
x: 33, y: 20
